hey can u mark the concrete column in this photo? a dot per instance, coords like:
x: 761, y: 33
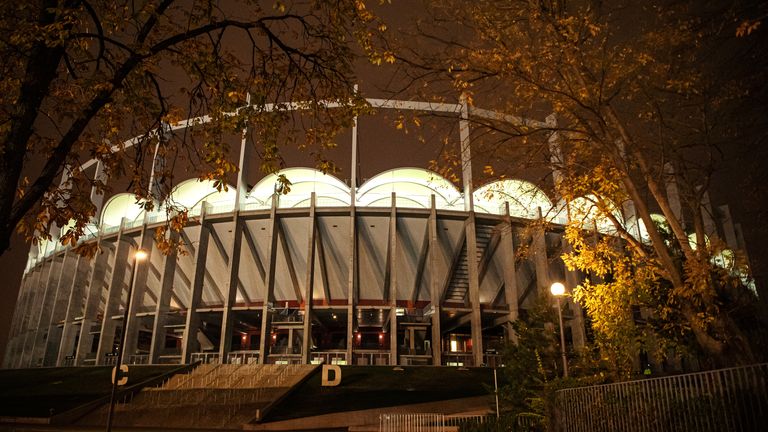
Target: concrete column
x: 11, y: 351
x: 59, y: 307
x: 192, y: 324
x: 43, y: 313
x: 168, y: 273
x: 92, y: 300
x: 352, y: 294
x: 120, y: 264
x: 510, y: 274
x: 73, y: 308
x: 24, y: 317
x: 269, y: 295
x: 392, y: 272
x: 227, y: 320
x: 540, y: 260
x: 474, y: 290
x: 572, y: 280
x: 434, y: 288
x: 309, y: 284
x: 97, y: 198
x: 131, y: 328
x: 466, y: 156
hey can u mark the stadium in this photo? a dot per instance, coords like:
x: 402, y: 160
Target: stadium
x: 403, y: 269
x: 385, y: 264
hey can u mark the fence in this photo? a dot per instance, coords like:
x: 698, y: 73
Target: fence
x: 734, y: 399
x: 426, y: 422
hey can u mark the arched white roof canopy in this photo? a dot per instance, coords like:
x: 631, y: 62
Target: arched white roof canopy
x: 449, y: 108
x: 191, y: 193
x: 524, y: 198
x: 329, y: 191
x: 122, y: 205
x: 413, y: 187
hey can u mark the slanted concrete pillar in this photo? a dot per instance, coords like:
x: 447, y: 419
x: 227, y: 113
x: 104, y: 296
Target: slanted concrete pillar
x: 92, y: 300
x: 474, y: 290
x: 18, y: 324
x: 269, y: 295
x: 73, y: 308
x: 352, y: 283
x: 167, y: 275
x: 58, y: 307
x: 540, y: 260
x: 309, y: 284
x: 43, y: 313
x: 434, y: 291
x: 227, y: 320
x: 192, y: 324
x: 138, y: 290
x: 25, y: 327
x: 120, y: 264
x: 392, y: 289
x: 510, y: 274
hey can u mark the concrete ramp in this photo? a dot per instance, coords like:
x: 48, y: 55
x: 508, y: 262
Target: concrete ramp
x: 212, y: 396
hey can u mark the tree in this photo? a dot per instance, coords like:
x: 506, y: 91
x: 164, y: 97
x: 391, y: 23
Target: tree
x: 641, y: 104
x: 81, y: 76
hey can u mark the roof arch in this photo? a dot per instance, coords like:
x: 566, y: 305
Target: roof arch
x: 414, y: 185
x: 191, y: 193
x: 122, y: 205
x: 329, y: 190
x: 524, y: 198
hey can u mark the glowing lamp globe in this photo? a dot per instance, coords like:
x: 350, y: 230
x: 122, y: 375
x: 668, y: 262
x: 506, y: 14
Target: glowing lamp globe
x: 557, y: 289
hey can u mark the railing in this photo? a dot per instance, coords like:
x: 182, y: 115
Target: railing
x: 412, y: 422
x: 243, y: 357
x: 371, y: 358
x: 284, y: 359
x: 138, y: 359
x: 458, y: 359
x: 205, y: 357
x: 734, y: 399
x: 329, y: 357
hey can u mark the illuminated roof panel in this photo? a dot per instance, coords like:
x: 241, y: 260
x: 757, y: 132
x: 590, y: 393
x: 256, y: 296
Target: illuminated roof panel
x: 524, y: 198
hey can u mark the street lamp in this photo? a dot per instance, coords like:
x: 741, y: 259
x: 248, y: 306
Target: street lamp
x: 139, y: 255
x: 558, y: 290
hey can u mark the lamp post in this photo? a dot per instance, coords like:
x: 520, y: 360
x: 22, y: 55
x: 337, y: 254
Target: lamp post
x: 139, y: 255
x: 558, y: 290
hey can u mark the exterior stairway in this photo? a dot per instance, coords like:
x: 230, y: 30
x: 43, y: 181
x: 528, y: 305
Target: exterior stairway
x: 212, y: 396
x: 458, y: 285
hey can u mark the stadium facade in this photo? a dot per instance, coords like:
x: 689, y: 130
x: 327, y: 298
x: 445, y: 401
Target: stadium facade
x: 403, y: 269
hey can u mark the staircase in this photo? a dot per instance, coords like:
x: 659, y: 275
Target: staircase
x: 458, y: 285
x: 212, y: 396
